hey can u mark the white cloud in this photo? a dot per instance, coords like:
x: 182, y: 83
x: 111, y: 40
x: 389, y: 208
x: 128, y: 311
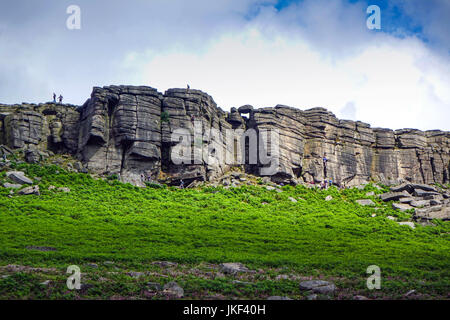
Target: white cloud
x: 314, y: 53
x: 390, y: 82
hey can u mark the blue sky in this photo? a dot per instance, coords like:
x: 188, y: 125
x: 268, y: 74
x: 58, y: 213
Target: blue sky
x: 303, y: 53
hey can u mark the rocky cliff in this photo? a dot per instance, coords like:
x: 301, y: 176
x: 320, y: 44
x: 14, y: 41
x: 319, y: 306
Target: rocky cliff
x: 127, y: 130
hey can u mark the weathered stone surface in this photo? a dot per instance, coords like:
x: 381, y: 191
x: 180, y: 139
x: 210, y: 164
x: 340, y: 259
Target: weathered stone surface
x: 407, y: 223
x: 18, y: 177
x: 246, y: 109
x: 365, y: 202
x: 436, y: 212
x: 318, y: 286
x: 420, y: 203
x: 406, y: 200
x: 12, y: 185
x: 30, y: 191
x: 423, y: 193
x: 233, y: 268
x: 126, y: 130
x: 394, y: 196
x: 401, y: 206
x: 173, y: 289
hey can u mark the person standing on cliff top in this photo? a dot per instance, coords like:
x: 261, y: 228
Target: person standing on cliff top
x: 54, y: 97
x: 60, y: 99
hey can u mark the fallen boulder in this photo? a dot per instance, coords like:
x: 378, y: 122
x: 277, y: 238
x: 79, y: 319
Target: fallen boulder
x: 12, y: 186
x: 33, y: 190
x: 420, y: 203
x: 436, y: 212
x: 424, y: 193
x: 19, y: 177
x: 365, y: 202
x: 318, y: 286
x: 394, y: 196
x: 401, y: 206
x: 173, y: 289
x: 233, y: 268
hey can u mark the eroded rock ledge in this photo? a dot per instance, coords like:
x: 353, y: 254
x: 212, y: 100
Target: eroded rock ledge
x: 126, y: 130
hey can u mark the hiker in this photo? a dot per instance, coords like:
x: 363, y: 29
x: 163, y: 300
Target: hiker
x: 54, y: 97
x: 181, y: 184
x: 60, y: 99
x: 188, y: 87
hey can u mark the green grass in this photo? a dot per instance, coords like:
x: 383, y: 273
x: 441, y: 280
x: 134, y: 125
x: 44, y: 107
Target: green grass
x: 107, y: 220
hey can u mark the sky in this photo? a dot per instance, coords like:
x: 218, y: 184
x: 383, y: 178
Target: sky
x: 300, y: 53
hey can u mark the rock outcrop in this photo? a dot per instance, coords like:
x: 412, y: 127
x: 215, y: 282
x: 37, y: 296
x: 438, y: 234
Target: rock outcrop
x: 428, y: 202
x: 128, y: 131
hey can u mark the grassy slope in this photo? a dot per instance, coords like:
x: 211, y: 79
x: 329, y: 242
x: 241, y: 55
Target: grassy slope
x: 101, y: 220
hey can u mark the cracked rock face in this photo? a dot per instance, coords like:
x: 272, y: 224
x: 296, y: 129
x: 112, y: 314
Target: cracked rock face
x: 127, y: 130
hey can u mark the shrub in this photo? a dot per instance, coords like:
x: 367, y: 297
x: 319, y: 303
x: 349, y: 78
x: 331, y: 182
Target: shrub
x: 165, y: 116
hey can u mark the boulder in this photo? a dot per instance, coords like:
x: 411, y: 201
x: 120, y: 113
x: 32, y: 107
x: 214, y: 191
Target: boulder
x: 394, y: 196
x: 420, y: 203
x: 403, y: 187
x: 173, y: 289
x: 407, y: 223
x: 424, y: 187
x: 12, y: 186
x: 19, y: 177
x: 423, y: 193
x: 246, y: 109
x: 365, y: 202
x: 318, y: 286
x: 233, y: 268
x: 401, y: 206
x: 436, y: 212
x: 33, y: 156
x: 33, y: 190
x: 406, y: 200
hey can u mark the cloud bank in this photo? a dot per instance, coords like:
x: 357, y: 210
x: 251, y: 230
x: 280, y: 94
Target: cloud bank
x: 307, y: 54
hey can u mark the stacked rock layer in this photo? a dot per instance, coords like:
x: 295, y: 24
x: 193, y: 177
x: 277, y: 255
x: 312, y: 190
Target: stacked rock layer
x: 128, y: 131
